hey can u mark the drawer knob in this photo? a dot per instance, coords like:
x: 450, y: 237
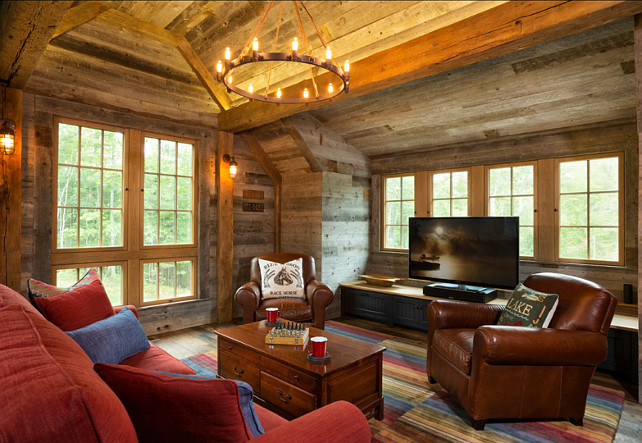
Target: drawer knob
x: 286, y: 399
x: 229, y: 348
x: 296, y: 377
x: 238, y: 372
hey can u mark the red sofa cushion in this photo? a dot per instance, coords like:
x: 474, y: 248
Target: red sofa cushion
x: 166, y: 408
x: 77, y: 308
x: 157, y: 359
x: 48, y: 389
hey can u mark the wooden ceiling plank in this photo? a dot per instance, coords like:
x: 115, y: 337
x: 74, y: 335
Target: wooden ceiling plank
x: 214, y: 88
x: 142, y: 27
x: 508, y: 27
x: 79, y: 15
x: 25, y: 31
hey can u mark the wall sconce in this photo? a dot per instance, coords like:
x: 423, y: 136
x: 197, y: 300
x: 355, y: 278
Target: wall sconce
x: 7, y: 136
x: 233, y: 165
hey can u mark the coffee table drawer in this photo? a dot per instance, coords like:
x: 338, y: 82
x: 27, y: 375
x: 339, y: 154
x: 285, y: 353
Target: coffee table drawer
x: 286, y: 396
x: 237, y: 368
x: 240, y: 350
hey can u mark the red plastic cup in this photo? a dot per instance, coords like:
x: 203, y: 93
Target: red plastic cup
x: 272, y: 314
x: 318, y: 346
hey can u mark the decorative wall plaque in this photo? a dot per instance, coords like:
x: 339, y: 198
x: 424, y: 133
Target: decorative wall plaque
x: 253, y: 207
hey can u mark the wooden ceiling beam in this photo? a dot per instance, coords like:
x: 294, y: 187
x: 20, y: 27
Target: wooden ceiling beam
x: 90, y: 10
x: 497, y: 31
x: 25, y: 31
x: 79, y: 15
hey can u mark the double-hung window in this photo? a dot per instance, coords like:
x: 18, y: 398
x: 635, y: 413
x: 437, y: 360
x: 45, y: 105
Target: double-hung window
x: 590, y: 209
x: 511, y: 192
x: 398, y: 206
x: 125, y: 205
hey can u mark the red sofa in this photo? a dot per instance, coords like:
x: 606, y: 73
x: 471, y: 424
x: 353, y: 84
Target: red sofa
x: 50, y: 392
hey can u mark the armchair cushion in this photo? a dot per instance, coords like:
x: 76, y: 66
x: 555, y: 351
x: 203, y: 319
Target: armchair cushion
x: 528, y: 307
x: 456, y: 345
x: 282, y: 280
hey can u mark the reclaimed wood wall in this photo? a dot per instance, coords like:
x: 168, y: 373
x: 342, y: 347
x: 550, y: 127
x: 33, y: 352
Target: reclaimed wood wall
x: 254, y: 223
x: 617, y: 136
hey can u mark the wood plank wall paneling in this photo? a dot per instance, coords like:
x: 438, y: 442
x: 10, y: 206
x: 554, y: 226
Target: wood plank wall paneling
x: 10, y: 195
x: 37, y: 170
x: 619, y: 136
x: 344, y: 232
x: 638, y: 81
x: 254, y: 232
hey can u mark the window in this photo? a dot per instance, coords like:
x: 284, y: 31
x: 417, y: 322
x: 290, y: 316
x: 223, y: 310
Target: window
x: 90, y: 187
x: 127, y: 210
x: 590, y: 209
x: 168, y: 192
x: 511, y: 192
x: 449, y: 194
x: 398, y: 206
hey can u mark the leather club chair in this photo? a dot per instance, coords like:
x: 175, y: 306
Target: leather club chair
x: 511, y: 372
x: 311, y: 311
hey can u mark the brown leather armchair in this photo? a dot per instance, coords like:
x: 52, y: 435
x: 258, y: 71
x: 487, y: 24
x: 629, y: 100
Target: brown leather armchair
x: 508, y: 372
x: 310, y: 310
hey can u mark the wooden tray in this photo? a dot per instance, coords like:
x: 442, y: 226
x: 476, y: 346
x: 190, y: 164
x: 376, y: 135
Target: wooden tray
x: 378, y: 280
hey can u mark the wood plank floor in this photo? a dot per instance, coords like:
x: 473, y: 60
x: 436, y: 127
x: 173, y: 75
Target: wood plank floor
x: 200, y: 339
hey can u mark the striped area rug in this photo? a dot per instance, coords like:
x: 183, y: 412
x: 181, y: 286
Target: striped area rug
x: 415, y: 412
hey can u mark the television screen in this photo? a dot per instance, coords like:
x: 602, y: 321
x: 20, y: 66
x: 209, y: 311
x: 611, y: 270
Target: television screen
x: 479, y: 251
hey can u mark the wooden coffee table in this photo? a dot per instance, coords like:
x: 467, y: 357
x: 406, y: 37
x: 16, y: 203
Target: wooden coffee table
x: 285, y: 381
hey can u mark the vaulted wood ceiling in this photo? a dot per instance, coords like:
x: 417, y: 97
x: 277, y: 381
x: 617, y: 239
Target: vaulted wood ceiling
x: 535, y: 73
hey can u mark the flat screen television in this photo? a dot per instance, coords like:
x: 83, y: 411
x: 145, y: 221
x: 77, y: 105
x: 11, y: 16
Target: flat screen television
x: 478, y: 251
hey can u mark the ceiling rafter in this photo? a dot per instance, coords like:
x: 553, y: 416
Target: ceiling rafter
x: 95, y: 10
x: 505, y: 28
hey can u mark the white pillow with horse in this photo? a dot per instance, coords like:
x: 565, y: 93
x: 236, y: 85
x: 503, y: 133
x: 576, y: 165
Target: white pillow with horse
x: 282, y: 280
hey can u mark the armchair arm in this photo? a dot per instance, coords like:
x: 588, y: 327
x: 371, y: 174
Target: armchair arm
x: 510, y: 345
x: 319, y: 296
x: 248, y: 297
x: 338, y: 421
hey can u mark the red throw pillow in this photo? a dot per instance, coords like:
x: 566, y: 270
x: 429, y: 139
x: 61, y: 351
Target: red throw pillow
x: 166, y: 408
x: 77, y: 308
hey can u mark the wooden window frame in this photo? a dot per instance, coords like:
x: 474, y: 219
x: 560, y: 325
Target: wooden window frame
x: 383, y: 223
x: 133, y: 252
x: 535, y: 194
x: 429, y: 184
x: 621, y: 214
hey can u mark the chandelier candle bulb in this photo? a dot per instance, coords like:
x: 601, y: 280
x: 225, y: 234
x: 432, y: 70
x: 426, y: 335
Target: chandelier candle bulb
x: 295, y: 44
x: 330, y: 88
x: 255, y: 44
x: 278, y: 93
x: 228, y: 54
x: 250, y: 88
x: 306, y: 94
x: 328, y: 54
